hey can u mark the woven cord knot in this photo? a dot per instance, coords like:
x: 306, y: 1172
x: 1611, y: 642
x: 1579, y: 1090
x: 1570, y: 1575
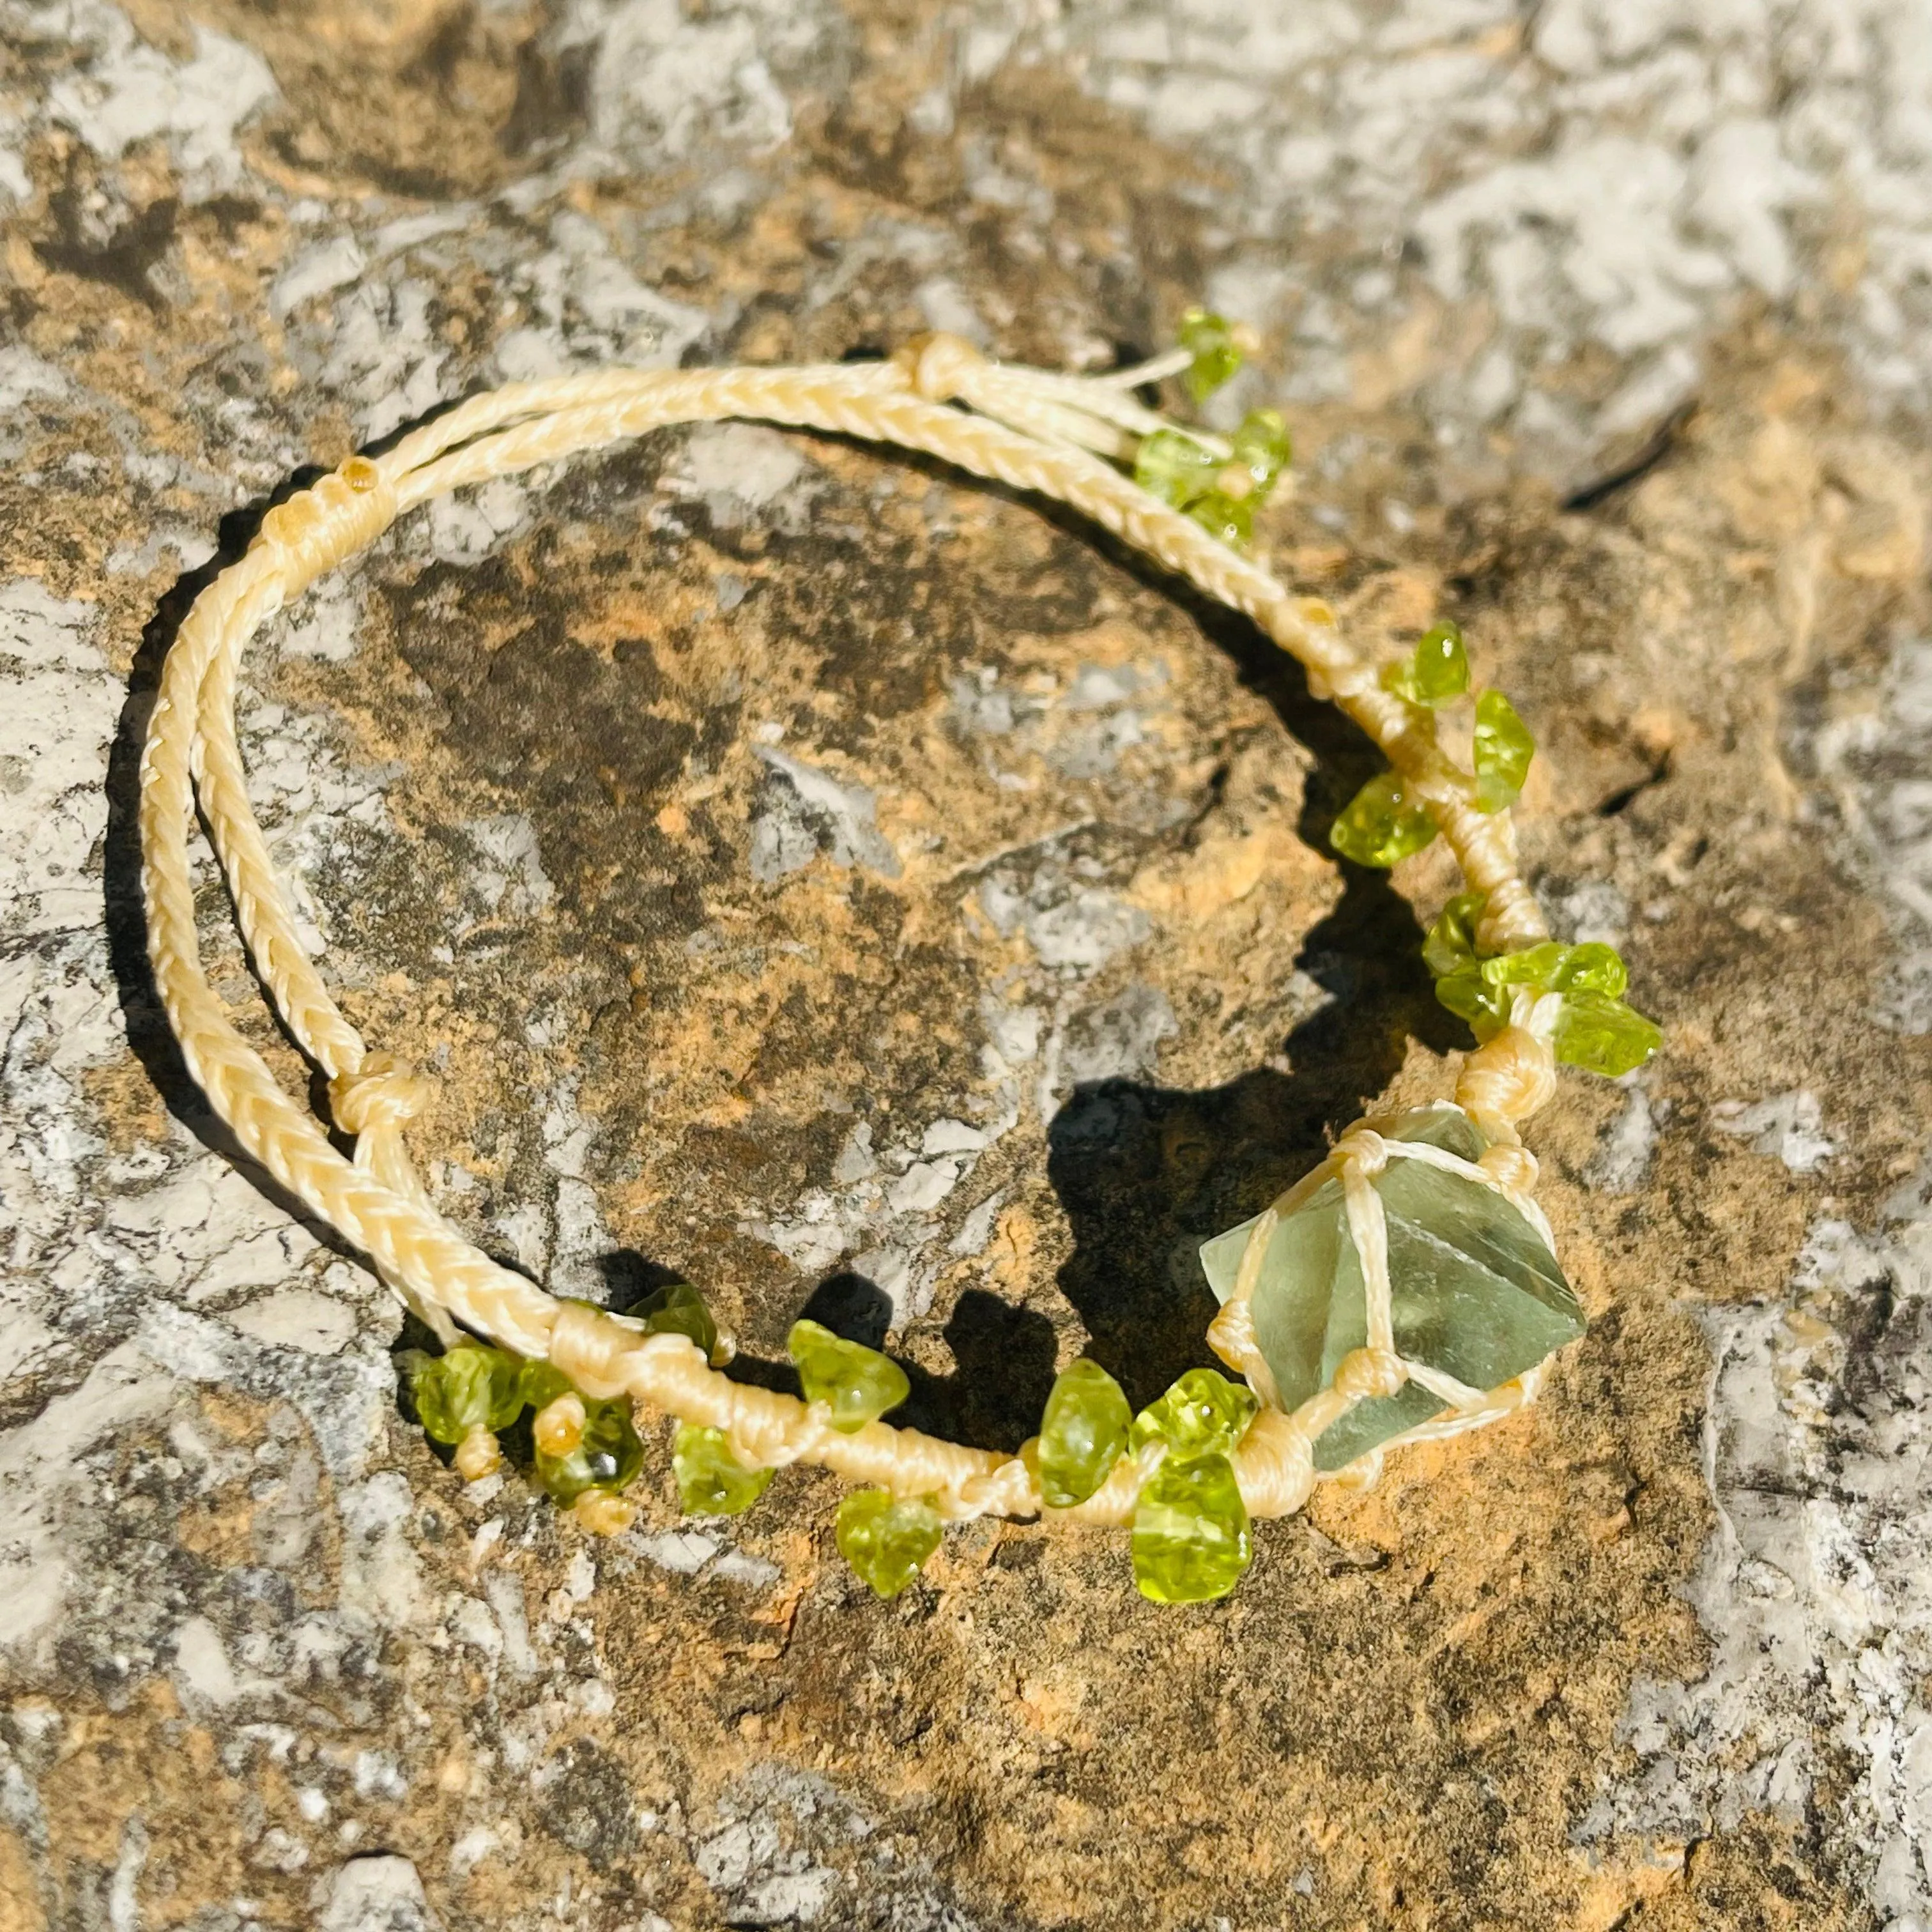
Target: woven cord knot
x: 382, y: 1094
x: 940, y: 366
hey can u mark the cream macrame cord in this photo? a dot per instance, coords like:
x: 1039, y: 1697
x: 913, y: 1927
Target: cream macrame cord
x: 1049, y: 435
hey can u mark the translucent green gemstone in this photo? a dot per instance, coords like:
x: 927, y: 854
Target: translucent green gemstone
x: 858, y: 1384
x: 1592, y: 967
x: 1209, y: 339
x: 711, y: 1481
x: 1203, y: 1413
x: 1381, y: 824
x: 886, y: 1538
x: 1174, y: 467
x: 609, y: 1457
x: 1082, y: 1433
x: 1533, y: 966
x: 1503, y: 750
x: 1436, y: 672
x: 1263, y: 448
x: 469, y: 1386
x: 1471, y: 997
x: 1231, y: 519
x: 1600, y: 1033
x: 1443, y: 1124
x: 1191, y: 1539
x: 678, y: 1309
x: 1476, y: 1291
x: 539, y: 1384
x: 1451, y: 946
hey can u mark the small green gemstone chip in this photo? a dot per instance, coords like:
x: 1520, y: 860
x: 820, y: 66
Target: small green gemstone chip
x: 1600, y: 1034
x: 1263, y: 448
x: 1203, y: 1413
x: 886, y: 1538
x: 1171, y: 465
x: 1381, y: 824
x: 469, y: 1386
x: 1437, y: 672
x: 678, y: 1309
x: 711, y: 1481
x: 857, y: 1384
x: 1471, y: 997
x: 540, y: 1384
x: 1191, y: 1539
x: 1231, y: 519
x: 608, y: 1458
x: 1451, y: 946
x: 1503, y: 750
x: 1081, y: 1434
x: 1209, y: 339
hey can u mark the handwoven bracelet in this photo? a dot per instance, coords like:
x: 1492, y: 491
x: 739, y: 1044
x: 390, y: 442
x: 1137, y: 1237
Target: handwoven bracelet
x: 1405, y: 1290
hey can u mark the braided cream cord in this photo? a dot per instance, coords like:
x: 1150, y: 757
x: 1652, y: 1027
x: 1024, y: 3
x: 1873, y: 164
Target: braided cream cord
x: 1027, y: 429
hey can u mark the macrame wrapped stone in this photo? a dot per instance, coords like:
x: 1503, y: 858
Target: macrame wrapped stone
x: 1475, y: 1291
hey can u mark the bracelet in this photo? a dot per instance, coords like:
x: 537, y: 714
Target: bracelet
x: 1406, y: 1290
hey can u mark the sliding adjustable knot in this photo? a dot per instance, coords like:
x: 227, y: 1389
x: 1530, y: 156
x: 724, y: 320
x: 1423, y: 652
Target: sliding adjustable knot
x: 381, y: 1093
x: 327, y: 523
x: 940, y: 366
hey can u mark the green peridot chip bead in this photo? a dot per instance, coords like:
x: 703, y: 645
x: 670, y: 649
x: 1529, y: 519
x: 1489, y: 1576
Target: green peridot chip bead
x: 1171, y: 465
x: 1203, y: 1413
x: 711, y: 1481
x: 540, y: 1384
x: 1503, y: 750
x: 1263, y: 448
x: 1470, y: 997
x: 678, y: 1309
x: 1209, y: 339
x: 857, y: 1384
x: 1231, y: 519
x: 1533, y: 966
x: 608, y: 1458
x: 1081, y: 1434
x: 886, y: 1538
x: 1191, y: 1538
x: 470, y: 1387
x: 1451, y: 945
x: 1381, y: 824
x: 1600, y: 1034
x: 1592, y: 966
x: 1437, y: 672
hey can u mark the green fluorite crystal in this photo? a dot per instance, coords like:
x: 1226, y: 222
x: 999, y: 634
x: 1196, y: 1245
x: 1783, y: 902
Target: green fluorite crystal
x: 1503, y: 750
x: 1202, y: 1414
x: 470, y: 1387
x: 1081, y: 1434
x: 1191, y: 1539
x: 608, y: 1458
x: 678, y: 1309
x: 1381, y: 824
x: 857, y: 1384
x: 711, y: 1481
x: 1436, y: 672
x: 1476, y: 1291
x: 886, y: 1538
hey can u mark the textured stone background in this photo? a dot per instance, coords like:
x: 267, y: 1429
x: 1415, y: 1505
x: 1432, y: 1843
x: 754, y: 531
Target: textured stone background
x: 847, y: 887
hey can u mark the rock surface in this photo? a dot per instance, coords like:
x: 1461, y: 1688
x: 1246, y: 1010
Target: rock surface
x: 859, y: 891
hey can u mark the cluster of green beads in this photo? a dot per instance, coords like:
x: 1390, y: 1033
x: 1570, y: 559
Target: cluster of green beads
x: 474, y: 1389
x: 1384, y: 823
x: 1191, y: 1539
x: 1594, y: 1029
x: 1221, y: 493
